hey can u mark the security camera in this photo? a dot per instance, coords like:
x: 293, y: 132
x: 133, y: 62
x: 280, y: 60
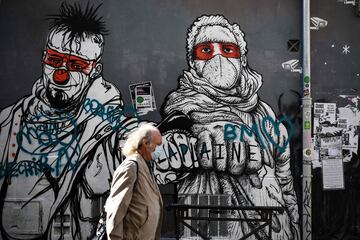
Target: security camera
x: 318, y: 23
x: 352, y: 2
x: 291, y: 65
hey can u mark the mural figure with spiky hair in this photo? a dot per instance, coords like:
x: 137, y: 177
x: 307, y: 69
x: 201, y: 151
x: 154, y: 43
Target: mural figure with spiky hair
x: 59, y: 145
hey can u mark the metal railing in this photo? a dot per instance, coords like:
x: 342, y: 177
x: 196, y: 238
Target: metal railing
x: 182, y: 214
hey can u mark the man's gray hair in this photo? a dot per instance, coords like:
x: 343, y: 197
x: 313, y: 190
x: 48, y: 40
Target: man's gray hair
x: 134, y: 139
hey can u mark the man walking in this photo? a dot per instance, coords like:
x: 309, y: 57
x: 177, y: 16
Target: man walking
x: 134, y: 207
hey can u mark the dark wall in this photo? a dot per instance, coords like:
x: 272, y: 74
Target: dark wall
x: 334, y: 72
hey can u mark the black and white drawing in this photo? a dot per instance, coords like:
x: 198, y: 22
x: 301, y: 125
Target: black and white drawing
x: 236, y: 146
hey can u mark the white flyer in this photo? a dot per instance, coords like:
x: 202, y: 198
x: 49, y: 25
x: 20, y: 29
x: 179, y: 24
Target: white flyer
x: 333, y: 174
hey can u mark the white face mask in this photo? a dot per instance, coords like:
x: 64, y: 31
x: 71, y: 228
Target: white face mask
x: 157, y: 152
x: 221, y: 72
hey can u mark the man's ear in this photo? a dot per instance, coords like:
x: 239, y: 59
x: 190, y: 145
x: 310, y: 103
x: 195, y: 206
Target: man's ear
x: 144, y: 142
x: 97, y: 70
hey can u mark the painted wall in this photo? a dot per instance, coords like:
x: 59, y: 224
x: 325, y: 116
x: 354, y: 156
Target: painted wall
x: 335, y: 79
x: 230, y: 114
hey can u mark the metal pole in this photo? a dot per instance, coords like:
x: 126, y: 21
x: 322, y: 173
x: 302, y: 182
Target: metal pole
x: 307, y: 122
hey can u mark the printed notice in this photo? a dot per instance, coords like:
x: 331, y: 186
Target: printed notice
x: 324, y: 114
x: 142, y: 97
x: 330, y: 147
x: 333, y: 174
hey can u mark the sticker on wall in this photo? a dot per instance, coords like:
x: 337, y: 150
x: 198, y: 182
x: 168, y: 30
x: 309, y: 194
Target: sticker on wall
x: 142, y: 97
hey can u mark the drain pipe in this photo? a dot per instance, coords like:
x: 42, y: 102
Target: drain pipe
x: 306, y: 127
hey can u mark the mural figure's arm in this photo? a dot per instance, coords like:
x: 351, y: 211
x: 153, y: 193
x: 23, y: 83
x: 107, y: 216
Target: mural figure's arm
x: 119, y: 199
x: 189, y: 145
x: 179, y: 156
x: 7, y: 116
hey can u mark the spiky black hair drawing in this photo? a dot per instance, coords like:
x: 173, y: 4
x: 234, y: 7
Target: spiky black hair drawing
x: 77, y: 22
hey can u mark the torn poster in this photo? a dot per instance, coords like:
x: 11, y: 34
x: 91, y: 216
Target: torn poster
x: 315, y: 155
x: 343, y: 123
x: 353, y: 101
x: 350, y: 113
x: 142, y: 97
x: 350, y: 142
x: 351, y: 116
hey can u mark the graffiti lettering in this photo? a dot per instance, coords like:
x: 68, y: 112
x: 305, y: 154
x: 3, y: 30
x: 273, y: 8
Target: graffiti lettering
x: 232, y: 131
x: 51, y: 142
x: 112, y: 114
x: 30, y: 168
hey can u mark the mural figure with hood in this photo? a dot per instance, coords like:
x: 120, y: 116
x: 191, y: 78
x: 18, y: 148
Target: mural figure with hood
x: 60, y: 144
x: 218, y: 97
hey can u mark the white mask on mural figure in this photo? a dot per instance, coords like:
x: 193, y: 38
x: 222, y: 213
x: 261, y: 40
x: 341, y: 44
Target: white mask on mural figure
x: 217, y: 56
x: 69, y: 65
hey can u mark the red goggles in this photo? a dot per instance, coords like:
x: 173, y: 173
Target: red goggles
x: 73, y: 63
x: 207, y: 50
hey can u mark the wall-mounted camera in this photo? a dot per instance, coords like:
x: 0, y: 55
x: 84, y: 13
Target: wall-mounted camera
x: 352, y: 2
x: 292, y: 65
x: 318, y: 23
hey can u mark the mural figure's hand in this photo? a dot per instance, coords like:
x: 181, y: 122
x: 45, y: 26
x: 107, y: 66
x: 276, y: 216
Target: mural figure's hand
x: 236, y: 156
x: 178, y: 158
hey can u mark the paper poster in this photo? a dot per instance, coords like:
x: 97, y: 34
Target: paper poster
x: 332, y: 121
x: 325, y: 112
x: 333, y: 174
x: 142, y: 97
x: 343, y: 123
x: 331, y: 147
x: 315, y: 155
x: 350, y: 142
x: 332, y: 162
x: 349, y: 120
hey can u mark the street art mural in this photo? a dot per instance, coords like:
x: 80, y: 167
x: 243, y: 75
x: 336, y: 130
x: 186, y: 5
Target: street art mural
x: 241, y: 147
x: 59, y: 146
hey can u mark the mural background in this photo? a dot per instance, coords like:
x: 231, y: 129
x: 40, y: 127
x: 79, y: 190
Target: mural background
x: 146, y: 42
